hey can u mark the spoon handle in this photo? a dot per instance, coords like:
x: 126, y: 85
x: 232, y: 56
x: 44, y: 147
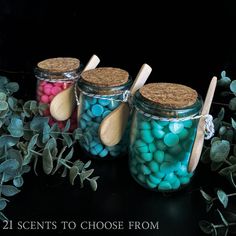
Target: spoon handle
x: 141, y: 78
x: 199, y: 140
x: 92, y: 63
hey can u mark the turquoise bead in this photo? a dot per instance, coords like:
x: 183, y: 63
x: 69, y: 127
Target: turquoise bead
x: 133, y: 162
x: 166, y: 167
x: 188, y: 123
x: 82, y: 124
x: 155, y: 125
x: 144, y: 125
x: 140, y: 143
x: 158, y: 156
x: 103, y: 102
x: 176, y: 184
x: 97, y: 110
x: 106, y: 113
x: 171, y: 139
x: 154, y: 167
x: 91, y: 100
x: 185, y: 158
x: 93, y: 144
x: 98, y: 119
x: 103, y: 153
x: 86, y: 105
x: 146, y: 156
x: 184, y: 134
x: 95, y: 126
x: 160, y: 145
x: 86, y: 117
x: 139, y: 159
x: 151, y: 184
x: 145, y: 170
x: 147, y: 136
x: 113, y: 105
x: 133, y: 170
x: 141, y: 178
x: 98, y: 148
x: 159, y: 174
x: 143, y: 149
x: 171, y: 178
x: 164, y: 185
x: 184, y: 180
x: 158, y: 133
x: 93, y: 151
x: 90, y: 114
x: 175, y: 150
x: 152, y: 147
x: 176, y: 127
x: 169, y: 158
x: 187, y: 145
x: 163, y: 123
x: 154, y: 179
x: 182, y: 171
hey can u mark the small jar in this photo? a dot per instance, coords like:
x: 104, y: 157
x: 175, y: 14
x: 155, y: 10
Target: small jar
x: 55, y: 75
x: 162, y: 134
x: 101, y: 91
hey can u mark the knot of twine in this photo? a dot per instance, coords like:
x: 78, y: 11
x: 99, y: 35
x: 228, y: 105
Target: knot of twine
x: 209, y: 126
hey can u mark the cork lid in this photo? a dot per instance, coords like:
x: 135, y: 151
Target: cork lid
x: 105, y: 77
x: 169, y: 95
x: 59, y: 64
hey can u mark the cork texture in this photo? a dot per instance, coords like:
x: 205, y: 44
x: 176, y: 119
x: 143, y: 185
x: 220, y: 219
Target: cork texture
x: 105, y: 76
x: 169, y: 95
x: 59, y: 64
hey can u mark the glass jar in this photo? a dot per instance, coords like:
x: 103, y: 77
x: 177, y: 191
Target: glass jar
x: 101, y: 91
x: 54, y: 75
x: 162, y: 134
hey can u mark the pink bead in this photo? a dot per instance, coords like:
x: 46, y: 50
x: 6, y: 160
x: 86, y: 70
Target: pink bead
x: 55, y: 90
x: 39, y: 93
x: 40, y: 88
x: 43, y: 83
x: 58, y: 84
x: 48, y: 85
x: 50, y: 98
x: 44, y: 99
x: 47, y: 90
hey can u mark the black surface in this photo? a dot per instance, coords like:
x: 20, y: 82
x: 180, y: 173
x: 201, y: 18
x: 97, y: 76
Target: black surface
x: 184, y: 43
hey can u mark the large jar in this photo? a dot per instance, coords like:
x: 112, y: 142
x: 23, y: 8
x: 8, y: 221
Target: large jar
x: 162, y: 134
x: 54, y: 76
x: 101, y: 91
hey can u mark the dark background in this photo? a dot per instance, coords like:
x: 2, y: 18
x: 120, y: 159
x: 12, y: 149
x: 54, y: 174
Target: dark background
x: 183, y: 42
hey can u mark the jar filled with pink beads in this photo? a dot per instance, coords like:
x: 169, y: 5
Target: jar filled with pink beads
x: 56, y: 79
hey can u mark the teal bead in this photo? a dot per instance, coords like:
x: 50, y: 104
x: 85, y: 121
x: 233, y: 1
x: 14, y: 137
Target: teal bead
x: 145, y: 170
x: 98, y: 119
x: 95, y: 126
x: 91, y: 100
x: 143, y: 149
x: 82, y: 124
x: 154, y: 179
x: 133, y: 162
x: 175, y: 150
x: 184, y: 134
x: 188, y: 123
x: 93, y: 151
x: 93, y: 144
x: 154, y: 167
x: 169, y: 158
x: 171, y: 178
x: 184, y: 180
x: 86, y: 117
x: 86, y: 105
x: 140, y: 143
x: 144, y: 125
x: 103, y: 153
x: 152, y: 147
x: 146, y: 136
x: 86, y: 147
x: 163, y: 123
x: 185, y: 158
x: 106, y: 113
x: 98, y: 148
x: 171, y: 139
x: 160, y: 145
x: 155, y: 125
x: 146, y: 156
x: 164, y: 185
x: 97, y: 110
x: 176, y: 165
x: 159, y: 174
x: 90, y: 114
x: 176, y: 184
x: 158, y: 133
x: 113, y: 105
x: 141, y: 178
x: 104, y: 102
x: 187, y: 145
x: 150, y: 184
x: 176, y: 127
x: 182, y: 171
x: 158, y: 156
x: 139, y: 159
x: 166, y: 167
x: 133, y: 170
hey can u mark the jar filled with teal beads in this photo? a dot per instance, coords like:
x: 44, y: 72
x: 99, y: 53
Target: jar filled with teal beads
x: 102, y: 90
x: 163, y: 130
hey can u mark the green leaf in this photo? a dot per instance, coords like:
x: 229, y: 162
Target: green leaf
x: 93, y: 184
x: 55, y: 131
x: 87, y: 164
x: 232, y: 104
x: 3, y: 81
x: 79, y: 164
x: 232, y: 160
x: 70, y: 154
x: 67, y: 126
x: 3, y: 96
x: 18, y: 181
x: 3, y: 204
x: 224, y: 82
x: 9, y: 190
x: 37, y: 124
x: 233, y: 86
x: 214, y: 139
x: 216, y: 165
x: 84, y: 175
x: 222, y: 196
x: 32, y: 142
x: 9, y: 164
x: 46, y: 132
x: 221, y: 114
x: 28, y: 133
x: 230, y: 216
x: 223, y: 218
x: 227, y: 170
x: 219, y: 150
x: 231, y: 179
x: 47, y: 161
x: 42, y: 107
x: 12, y: 87
x: 3, y: 105
x: 233, y: 123
x: 223, y: 73
x: 12, y: 102
x: 73, y: 174
x: 26, y: 169
x: 217, y: 122
x: 206, y: 226
x: 67, y: 140
x: 16, y: 127
x: 206, y: 196
x: 3, y: 217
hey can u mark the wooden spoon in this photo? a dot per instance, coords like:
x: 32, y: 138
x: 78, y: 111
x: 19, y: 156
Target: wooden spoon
x: 113, y: 126
x: 199, y: 140
x: 63, y: 104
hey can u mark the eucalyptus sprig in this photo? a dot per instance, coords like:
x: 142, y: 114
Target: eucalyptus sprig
x: 26, y: 139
